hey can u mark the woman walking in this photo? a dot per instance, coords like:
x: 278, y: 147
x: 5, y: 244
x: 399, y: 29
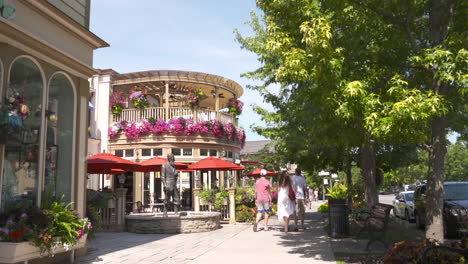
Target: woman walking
x: 286, y: 206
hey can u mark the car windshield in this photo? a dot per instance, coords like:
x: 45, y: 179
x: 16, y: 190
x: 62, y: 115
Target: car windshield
x: 456, y: 191
x: 409, y: 196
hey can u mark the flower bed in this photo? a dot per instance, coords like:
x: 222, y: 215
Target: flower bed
x: 179, y: 126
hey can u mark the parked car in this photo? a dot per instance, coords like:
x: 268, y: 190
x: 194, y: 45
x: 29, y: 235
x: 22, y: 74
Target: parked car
x: 455, y: 213
x: 403, y: 205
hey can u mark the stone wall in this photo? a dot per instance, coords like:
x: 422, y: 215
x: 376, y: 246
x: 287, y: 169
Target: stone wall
x: 151, y: 223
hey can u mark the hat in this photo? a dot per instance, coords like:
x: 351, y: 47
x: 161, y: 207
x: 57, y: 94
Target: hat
x: 263, y: 172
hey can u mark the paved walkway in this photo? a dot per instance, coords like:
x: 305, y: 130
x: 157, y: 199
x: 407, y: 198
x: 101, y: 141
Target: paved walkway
x: 230, y: 244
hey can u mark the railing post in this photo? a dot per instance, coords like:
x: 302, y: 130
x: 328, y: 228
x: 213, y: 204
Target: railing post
x: 232, y: 205
x: 120, y: 194
x: 167, y: 101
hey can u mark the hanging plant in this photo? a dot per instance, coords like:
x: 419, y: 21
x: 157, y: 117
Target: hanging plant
x: 138, y: 96
x: 117, y: 103
x: 235, y: 106
x: 194, y: 97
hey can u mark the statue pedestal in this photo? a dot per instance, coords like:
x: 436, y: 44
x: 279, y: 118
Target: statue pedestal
x: 120, y: 194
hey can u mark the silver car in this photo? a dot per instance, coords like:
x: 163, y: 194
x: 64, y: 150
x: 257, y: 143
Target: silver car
x: 403, y: 205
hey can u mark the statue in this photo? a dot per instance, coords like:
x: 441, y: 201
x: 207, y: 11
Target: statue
x: 169, y: 177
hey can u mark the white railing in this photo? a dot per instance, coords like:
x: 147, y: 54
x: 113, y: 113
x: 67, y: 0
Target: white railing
x: 174, y: 112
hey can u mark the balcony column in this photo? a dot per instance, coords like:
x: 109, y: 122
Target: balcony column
x: 217, y: 102
x: 166, y: 106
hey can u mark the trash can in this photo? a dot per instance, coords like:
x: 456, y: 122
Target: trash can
x: 338, y: 218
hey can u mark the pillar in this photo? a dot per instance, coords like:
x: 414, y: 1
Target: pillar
x: 196, y: 199
x: 166, y: 106
x: 232, y: 205
x: 120, y: 194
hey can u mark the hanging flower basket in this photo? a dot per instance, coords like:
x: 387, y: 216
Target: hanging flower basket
x: 117, y: 103
x: 138, y: 97
x: 235, y: 106
x: 194, y: 97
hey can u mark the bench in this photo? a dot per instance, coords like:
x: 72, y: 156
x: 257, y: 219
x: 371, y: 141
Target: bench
x: 375, y: 223
x: 461, y: 251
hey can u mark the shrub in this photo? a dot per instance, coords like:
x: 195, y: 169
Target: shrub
x: 273, y: 209
x: 338, y: 191
x: 245, y: 195
x: 411, y: 252
x: 220, y: 197
x: 245, y: 213
x: 323, y: 208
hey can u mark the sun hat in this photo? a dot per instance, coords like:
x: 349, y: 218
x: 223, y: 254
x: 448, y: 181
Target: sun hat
x: 263, y: 172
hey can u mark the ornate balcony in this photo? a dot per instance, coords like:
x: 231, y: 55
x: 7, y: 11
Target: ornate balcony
x: 166, y: 114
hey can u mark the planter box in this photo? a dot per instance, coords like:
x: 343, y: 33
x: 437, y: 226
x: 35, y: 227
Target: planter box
x: 11, y: 252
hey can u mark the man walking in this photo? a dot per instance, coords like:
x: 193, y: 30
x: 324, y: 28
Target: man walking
x: 299, y: 185
x: 262, y: 200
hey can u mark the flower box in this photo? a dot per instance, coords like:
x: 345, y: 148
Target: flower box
x: 11, y: 252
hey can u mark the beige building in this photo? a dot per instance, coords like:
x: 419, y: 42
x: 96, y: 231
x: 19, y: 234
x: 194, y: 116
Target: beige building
x: 46, y: 57
x: 190, y: 133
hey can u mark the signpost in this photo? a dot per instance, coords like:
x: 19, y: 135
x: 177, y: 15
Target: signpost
x: 325, y: 181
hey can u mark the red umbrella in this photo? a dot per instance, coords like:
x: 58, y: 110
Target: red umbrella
x: 154, y: 164
x: 212, y: 163
x: 105, y: 162
x: 256, y: 173
x: 106, y: 171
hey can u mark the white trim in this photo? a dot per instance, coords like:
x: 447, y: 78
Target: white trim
x: 75, y: 109
x: 40, y: 167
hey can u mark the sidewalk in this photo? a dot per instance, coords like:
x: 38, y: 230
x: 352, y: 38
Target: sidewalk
x: 230, y: 244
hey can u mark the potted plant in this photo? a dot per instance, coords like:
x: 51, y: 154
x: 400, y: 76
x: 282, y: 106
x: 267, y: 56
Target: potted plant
x: 235, y: 106
x: 32, y: 233
x: 338, y: 211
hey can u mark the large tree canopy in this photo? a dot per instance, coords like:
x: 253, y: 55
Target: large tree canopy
x: 359, y: 76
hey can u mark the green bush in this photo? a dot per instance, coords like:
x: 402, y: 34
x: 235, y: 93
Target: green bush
x: 220, y: 197
x: 208, y: 196
x: 245, y: 213
x: 411, y: 252
x: 338, y: 191
x: 323, y: 208
x: 245, y: 195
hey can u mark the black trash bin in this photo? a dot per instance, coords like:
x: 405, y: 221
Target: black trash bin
x: 338, y: 218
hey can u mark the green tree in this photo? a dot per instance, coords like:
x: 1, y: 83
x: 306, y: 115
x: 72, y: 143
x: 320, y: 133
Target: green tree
x: 364, y: 74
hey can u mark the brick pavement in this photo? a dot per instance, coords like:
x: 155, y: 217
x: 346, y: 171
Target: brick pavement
x: 230, y: 244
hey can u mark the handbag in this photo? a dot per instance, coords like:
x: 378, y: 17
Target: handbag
x: 291, y: 194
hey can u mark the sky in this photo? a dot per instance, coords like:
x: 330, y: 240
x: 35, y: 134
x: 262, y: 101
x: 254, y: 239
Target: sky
x: 189, y: 35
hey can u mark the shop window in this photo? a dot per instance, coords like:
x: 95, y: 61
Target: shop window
x: 213, y: 152
x: 60, y: 126
x: 146, y: 152
x: 129, y: 153
x: 23, y: 133
x: 187, y: 152
x: 204, y: 152
x: 119, y: 153
x: 229, y: 154
x: 157, y: 152
x: 176, y: 152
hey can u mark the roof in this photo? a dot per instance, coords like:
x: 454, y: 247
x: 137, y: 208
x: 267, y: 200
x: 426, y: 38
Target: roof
x: 253, y: 147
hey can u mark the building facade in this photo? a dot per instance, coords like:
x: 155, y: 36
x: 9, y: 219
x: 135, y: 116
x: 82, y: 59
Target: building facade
x: 46, y: 56
x: 180, y: 112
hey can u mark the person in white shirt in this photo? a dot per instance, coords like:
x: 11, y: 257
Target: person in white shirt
x: 299, y: 185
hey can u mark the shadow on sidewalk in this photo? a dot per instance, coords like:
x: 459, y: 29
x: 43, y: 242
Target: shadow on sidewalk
x: 313, y: 243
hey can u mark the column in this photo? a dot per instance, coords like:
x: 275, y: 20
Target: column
x: 232, y: 205
x: 196, y: 199
x: 120, y: 194
x: 166, y: 106
x: 217, y: 102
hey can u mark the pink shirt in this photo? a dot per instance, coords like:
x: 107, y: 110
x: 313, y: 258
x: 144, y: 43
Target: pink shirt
x: 262, y: 190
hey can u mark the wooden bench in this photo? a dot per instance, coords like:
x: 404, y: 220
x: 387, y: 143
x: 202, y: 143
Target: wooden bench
x: 461, y: 251
x: 375, y: 223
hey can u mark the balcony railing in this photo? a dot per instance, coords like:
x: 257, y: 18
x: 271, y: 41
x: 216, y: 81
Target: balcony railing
x: 174, y: 112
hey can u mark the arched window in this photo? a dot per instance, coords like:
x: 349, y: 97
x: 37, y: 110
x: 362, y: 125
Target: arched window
x: 22, y: 132
x: 60, y: 137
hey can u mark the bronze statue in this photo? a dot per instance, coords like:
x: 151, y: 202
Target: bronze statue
x: 169, y: 176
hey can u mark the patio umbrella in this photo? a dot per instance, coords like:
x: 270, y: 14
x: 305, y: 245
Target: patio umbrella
x: 106, y: 171
x: 212, y: 163
x: 106, y: 162
x: 256, y: 173
x: 155, y: 164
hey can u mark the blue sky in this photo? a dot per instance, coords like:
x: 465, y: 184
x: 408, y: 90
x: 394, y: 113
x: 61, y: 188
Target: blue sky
x: 192, y: 35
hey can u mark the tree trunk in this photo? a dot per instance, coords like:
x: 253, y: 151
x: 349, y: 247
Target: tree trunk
x: 368, y: 173
x: 440, y: 12
x: 349, y: 180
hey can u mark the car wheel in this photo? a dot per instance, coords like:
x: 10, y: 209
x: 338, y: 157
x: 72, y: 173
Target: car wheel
x: 408, y: 217
x: 417, y: 217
